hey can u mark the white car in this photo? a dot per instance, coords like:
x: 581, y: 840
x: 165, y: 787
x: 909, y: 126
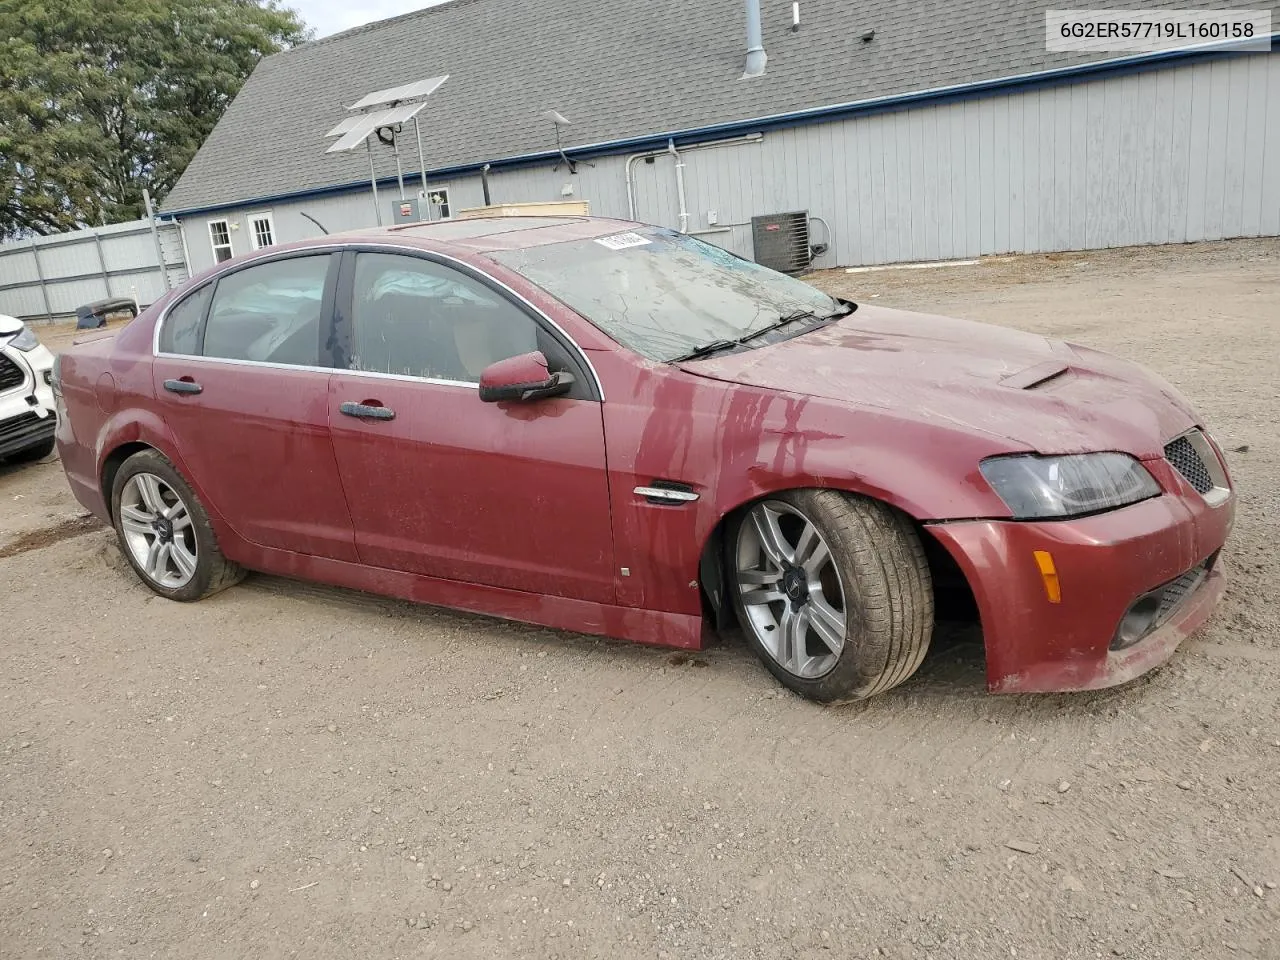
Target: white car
x: 27, y: 417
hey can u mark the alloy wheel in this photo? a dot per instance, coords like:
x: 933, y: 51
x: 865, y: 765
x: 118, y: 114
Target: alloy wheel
x: 157, y: 530
x: 791, y: 589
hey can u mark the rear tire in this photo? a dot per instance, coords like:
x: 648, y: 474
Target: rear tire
x: 164, y: 531
x: 832, y: 591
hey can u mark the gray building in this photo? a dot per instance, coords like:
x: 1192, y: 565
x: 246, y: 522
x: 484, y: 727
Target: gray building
x: 907, y: 129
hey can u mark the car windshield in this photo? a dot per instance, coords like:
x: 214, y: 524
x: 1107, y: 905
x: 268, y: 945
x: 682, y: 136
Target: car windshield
x: 664, y: 294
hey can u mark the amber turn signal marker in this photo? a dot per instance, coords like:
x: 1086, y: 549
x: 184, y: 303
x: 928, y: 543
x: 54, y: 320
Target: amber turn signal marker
x: 1049, y: 574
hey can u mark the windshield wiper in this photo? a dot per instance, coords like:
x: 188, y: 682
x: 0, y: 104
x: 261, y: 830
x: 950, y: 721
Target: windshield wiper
x: 795, y: 317
x: 719, y: 346
x: 715, y: 346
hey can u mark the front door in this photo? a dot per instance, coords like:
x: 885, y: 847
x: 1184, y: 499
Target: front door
x: 239, y: 381
x: 510, y: 495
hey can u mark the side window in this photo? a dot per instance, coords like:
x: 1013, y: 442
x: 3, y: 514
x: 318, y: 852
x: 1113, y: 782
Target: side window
x: 422, y: 319
x: 181, y: 330
x: 269, y: 313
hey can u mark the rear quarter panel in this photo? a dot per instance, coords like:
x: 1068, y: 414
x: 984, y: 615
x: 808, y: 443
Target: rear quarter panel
x: 108, y: 401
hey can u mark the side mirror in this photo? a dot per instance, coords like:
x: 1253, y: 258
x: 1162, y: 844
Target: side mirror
x: 521, y: 379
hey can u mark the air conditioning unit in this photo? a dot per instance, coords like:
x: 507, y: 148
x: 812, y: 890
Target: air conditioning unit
x: 781, y: 241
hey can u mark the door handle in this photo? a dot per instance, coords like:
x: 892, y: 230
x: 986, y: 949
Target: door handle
x: 185, y: 385
x: 367, y: 411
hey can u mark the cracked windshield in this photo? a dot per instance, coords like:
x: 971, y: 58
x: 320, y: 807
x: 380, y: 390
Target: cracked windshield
x: 664, y: 294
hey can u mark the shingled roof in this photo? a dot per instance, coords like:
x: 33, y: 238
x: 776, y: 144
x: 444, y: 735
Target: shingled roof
x: 616, y: 68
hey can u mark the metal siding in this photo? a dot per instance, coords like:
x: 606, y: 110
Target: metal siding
x: 1271, y: 153
x: 1183, y: 153
x: 954, y: 157
x: 1216, y: 151
x: 838, y: 221
x: 986, y: 178
x: 1198, y: 156
x: 1237, y: 156
x: 930, y: 226
x: 1002, y: 195
x: 1148, y: 144
x: 1253, y: 172
x: 940, y: 149
x: 1180, y: 151
x: 887, y: 184
x: 17, y: 265
x: 1122, y: 157
x: 865, y: 250
x: 82, y: 266
x: 1025, y: 209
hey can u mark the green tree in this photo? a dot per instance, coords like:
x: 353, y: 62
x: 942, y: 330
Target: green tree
x: 101, y: 98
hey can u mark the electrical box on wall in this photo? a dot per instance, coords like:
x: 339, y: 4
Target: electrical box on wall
x: 405, y: 211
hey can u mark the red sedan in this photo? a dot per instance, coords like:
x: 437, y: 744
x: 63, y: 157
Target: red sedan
x: 618, y: 429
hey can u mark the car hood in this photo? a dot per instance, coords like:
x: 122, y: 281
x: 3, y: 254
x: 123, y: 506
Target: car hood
x: 9, y: 325
x: 1030, y: 391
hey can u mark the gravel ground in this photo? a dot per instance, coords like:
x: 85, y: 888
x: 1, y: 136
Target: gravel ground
x: 287, y: 770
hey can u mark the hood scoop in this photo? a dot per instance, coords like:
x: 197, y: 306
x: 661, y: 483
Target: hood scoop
x: 1036, y: 376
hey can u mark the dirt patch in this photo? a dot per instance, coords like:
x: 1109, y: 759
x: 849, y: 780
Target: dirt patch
x: 38, y: 539
x: 291, y: 770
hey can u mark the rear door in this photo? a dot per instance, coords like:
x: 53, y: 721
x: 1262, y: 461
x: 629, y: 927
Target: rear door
x: 510, y: 495
x: 242, y: 379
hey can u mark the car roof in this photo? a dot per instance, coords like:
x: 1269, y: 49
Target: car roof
x: 484, y: 234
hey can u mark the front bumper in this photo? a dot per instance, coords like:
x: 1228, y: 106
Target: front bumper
x: 27, y: 416
x: 1104, y: 563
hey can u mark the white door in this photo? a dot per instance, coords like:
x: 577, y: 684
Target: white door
x: 262, y: 230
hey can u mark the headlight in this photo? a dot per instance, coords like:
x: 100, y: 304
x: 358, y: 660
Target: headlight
x: 25, y: 340
x: 1035, y: 487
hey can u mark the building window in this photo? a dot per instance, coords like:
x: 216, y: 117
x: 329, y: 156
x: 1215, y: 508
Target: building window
x: 220, y: 237
x: 262, y: 230
x: 438, y: 204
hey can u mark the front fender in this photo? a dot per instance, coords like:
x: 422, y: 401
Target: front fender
x: 732, y: 444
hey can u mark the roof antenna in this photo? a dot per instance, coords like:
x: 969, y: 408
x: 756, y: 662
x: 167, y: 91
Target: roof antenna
x: 302, y: 213
x: 558, y: 120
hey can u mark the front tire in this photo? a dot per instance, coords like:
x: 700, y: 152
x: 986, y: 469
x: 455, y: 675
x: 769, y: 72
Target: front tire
x: 832, y: 591
x: 165, y: 533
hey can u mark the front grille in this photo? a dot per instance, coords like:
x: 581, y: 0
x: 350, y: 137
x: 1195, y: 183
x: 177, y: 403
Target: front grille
x: 19, y: 426
x: 1157, y: 607
x: 11, y: 374
x: 1187, y: 461
x: 23, y: 431
x: 1175, y: 591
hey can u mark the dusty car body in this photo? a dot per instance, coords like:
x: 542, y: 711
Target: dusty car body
x: 616, y: 509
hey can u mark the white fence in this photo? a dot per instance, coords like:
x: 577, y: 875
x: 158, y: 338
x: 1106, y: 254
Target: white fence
x: 47, y: 278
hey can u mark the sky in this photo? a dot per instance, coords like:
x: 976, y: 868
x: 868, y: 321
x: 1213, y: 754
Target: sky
x: 331, y: 16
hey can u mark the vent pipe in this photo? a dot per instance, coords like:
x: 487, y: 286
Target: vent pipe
x: 756, y: 57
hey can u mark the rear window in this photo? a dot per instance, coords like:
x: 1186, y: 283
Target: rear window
x: 181, y: 330
x: 269, y: 312
x: 662, y: 293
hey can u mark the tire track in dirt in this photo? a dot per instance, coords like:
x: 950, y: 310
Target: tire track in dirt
x: 43, y: 537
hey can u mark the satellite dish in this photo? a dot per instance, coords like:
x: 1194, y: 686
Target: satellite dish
x: 556, y: 118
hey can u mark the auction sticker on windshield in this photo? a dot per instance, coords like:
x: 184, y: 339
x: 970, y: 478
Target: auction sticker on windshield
x: 620, y: 241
